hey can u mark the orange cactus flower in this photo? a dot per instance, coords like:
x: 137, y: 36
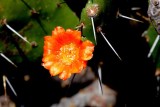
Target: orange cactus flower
x: 65, y: 53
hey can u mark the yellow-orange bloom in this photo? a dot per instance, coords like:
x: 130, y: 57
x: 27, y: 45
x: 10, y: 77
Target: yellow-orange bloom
x: 65, y: 53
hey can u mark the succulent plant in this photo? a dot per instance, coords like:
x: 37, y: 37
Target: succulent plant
x: 24, y: 23
x: 34, y: 20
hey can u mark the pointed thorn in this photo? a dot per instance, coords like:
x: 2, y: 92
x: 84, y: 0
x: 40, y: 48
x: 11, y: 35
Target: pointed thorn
x: 4, y: 22
x: 6, y: 58
x: 14, y: 31
x: 10, y: 85
x: 4, y: 85
x: 99, y: 29
x: 153, y: 46
x: 100, y: 79
x: 80, y: 26
x: 135, y: 8
x: 126, y: 17
x: 94, y: 32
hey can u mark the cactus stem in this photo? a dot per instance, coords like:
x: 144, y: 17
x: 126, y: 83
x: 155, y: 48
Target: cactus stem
x: 153, y: 46
x: 99, y: 29
x: 6, y: 58
x: 94, y: 32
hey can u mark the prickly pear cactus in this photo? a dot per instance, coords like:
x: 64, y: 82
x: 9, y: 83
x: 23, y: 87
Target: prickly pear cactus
x: 34, y: 20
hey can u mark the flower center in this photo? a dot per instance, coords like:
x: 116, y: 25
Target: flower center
x: 69, y: 53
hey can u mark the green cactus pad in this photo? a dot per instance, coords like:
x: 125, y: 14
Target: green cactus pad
x: 33, y: 25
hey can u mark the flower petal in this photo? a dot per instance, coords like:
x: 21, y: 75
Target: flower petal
x: 56, y: 69
x: 65, y: 75
x: 47, y: 65
x: 74, y: 36
x: 87, y: 49
x: 48, y: 44
x: 47, y: 51
x: 58, y: 30
x: 48, y: 38
x: 77, y: 67
x: 48, y: 58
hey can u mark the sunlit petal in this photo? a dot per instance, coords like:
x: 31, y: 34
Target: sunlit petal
x: 58, y: 30
x: 65, y: 75
x: 87, y: 49
x: 56, y: 69
x: 47, y: 65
